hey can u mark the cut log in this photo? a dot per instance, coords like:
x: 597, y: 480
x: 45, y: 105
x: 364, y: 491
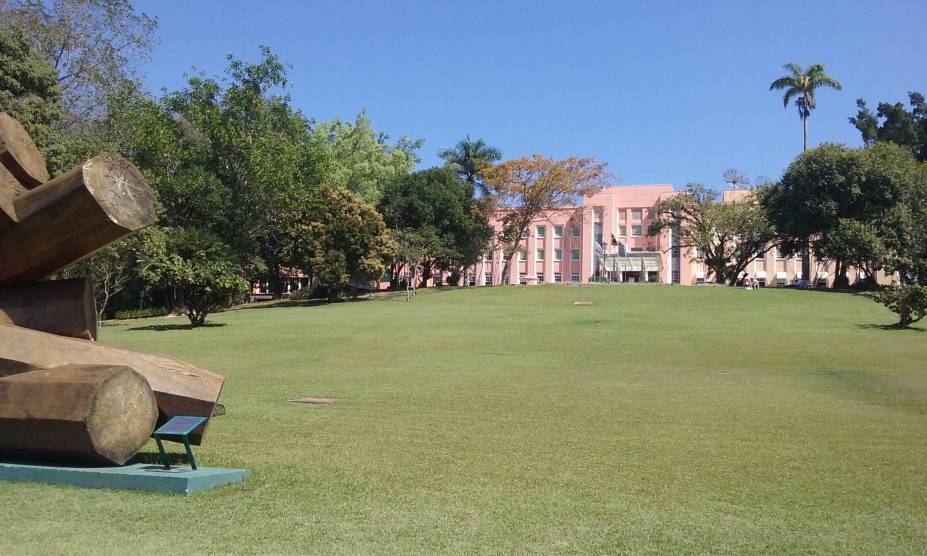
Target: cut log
x: 19, y: 154
x: 180, y: 388
x: 76, y: 413
x: 62, y: 307
x: 10, y: 191
x: 73, y: 216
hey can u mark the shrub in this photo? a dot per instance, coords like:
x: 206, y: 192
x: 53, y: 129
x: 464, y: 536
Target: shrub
x: 908, y: 302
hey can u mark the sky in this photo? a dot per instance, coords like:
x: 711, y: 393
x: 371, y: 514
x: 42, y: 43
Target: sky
x: 664, y: 92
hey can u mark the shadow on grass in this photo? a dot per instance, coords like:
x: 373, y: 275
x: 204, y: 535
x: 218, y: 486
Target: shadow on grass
x: 890, y: 327
x: 169, y: 327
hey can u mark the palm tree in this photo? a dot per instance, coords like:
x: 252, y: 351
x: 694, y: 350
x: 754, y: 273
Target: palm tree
x: 804, y: 84
x: 468, y: 157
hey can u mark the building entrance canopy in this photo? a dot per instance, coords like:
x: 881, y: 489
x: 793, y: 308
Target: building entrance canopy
x: 634, y: 262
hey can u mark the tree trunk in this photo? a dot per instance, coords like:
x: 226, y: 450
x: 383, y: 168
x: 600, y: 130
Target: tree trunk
x: 85, y: 413
x: 63, y: 307
x: 19, y: 155
x: 806, y: 264
x: 179, y: 387
x: 804, y: 126
x: 73, y: 216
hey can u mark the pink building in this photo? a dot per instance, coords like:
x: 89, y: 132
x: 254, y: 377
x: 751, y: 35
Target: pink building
x: 606, y: 238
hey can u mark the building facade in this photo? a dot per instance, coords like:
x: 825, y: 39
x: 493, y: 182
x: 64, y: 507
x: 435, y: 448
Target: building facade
x: 605, y: 239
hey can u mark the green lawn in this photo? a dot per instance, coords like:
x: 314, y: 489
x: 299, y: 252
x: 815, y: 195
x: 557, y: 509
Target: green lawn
x: 499, y: 420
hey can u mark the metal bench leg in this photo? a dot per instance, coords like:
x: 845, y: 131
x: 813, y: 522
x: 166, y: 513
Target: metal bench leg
x: 186, y: 444
x: 162, y: 455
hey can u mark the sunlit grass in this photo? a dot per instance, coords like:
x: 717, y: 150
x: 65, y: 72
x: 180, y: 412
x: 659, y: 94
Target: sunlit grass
x: 658, y: 419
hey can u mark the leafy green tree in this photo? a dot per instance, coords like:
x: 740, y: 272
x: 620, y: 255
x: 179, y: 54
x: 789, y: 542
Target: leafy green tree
x: 94, y: 46
x: 28, y: 88
x: 804, y: 85
x: 434, y: 216
x: 728, y: 235
x: 361, y: 159
x: 200, y: 271
x: 893, y: 122
x: 334, y: 236
x: 855, y: 206
x: 908, y: 302
x: 468, y: 158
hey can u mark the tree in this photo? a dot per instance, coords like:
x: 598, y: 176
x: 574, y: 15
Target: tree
x: 335, y: 237
x: 735, y: 179
x: 525, y: 188
x: 28, y: 87
x: 729, y: 236
x: 361, y: 159
x: 434, y: 216
x: 200, y: 271
x: 804, y: 85
x: 908, y: 302
x: 855, y: 206
x: 468, y: 158
x: 892, y: 122
x: 93, y: 45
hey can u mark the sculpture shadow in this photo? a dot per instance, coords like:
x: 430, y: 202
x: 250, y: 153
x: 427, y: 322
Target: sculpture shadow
x: 173, y: 458
x: 169, y: 327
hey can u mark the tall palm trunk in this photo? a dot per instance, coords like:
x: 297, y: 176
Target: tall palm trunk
x: 806, y: 256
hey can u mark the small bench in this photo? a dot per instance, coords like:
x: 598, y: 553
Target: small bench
x: 177, y: 428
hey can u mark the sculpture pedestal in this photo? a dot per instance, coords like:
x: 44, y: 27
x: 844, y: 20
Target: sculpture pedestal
x: 140, y: 476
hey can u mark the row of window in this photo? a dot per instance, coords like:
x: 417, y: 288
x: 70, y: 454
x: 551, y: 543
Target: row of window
x: 780, y: 254
x: 540, y: 232
x: 539, y: 254
x: 523, y: 278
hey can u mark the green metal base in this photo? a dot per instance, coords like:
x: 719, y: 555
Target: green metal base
x: 141, y: 476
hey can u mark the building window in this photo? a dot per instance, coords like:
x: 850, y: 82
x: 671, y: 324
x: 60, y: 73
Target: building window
x: 761, y: 254
x: 487, y: 279
x: 558, y: 278
x: 697, y: 253
x: 622, y: 230
x: 522, y: 255
x: 439, y: 280
x: 558, y: 254
x: 622, y: 215
x: 574, y: 254
x: 597, y: 231
x: 540, y: 277
x: 798, y: 255
x: 779, y: 253
x: 487, y: 256
x: 558, y: 231
x: 574, y: 277
x: 540, y: 231
x: 577, y: 231
x: 471, y: 278
x: 539, y: 255
x: 522, y: 278
x: 651, y: 214
x: 636, y: 214
x: 637, y: 229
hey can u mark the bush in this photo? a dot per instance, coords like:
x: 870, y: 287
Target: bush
x: 198, y: 268
x: 140, y: 313
x: 908, y: 302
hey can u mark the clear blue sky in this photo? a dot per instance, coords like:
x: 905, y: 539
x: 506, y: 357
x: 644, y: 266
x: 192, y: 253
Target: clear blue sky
x: 665, y: 92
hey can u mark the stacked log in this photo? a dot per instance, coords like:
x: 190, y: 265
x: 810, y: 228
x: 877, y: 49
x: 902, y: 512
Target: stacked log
x: 63, y: 307
x: 86, y: 413
x: 179, y: 387
x: 62, y: 394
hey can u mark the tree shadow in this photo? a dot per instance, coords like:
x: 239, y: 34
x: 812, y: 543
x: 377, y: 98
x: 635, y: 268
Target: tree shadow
x: 871, y: 326
x: 173, y: 458
x: 169, y: 327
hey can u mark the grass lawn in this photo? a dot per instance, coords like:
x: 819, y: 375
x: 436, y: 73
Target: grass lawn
x: 488, y: 420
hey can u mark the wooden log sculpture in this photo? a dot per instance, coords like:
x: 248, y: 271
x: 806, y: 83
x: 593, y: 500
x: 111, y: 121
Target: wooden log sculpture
x: 91, y: 413
x: 19, y: 154
x: 73, y: 216
x: 63, y: 307
x: 179, y: 387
